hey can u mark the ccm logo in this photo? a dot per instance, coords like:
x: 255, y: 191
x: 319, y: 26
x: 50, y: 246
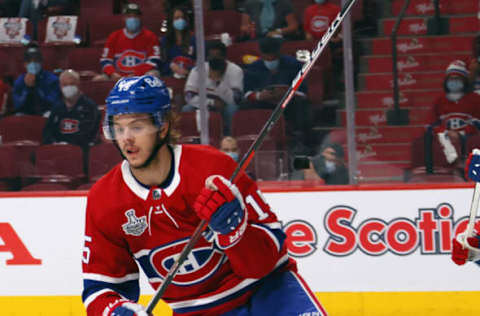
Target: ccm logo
x: 10, y: 242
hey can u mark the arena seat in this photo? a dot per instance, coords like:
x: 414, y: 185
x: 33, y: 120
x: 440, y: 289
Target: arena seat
x: 223, y: 21
x: 248, y: 123
x: 43, y: 186
x: 97, y: 90
x: 100, y: 27
x: 60, y: 163
x: 176, y: 86
x: 96, y: 8
x: 85, y: 60
x: 22, y: 128
x: 236, y: 51
x: 187, y: 125
x: 81, y: 31
x: 101, y: 158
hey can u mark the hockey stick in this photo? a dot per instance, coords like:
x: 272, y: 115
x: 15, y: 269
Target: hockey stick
x: 255, y: 145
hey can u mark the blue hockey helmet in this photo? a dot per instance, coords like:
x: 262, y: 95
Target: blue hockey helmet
x: 130, y: 95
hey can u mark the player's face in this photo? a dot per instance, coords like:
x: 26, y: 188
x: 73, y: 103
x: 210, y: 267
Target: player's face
x: 136, y: 135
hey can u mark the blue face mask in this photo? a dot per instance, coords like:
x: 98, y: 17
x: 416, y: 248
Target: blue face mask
x: 34, y: 67
x: 233, y: 155
x: 455, y: 85
x: 132, y: 24
x: 320, y: 1
x: 271, y: 64
x: 180, y: 24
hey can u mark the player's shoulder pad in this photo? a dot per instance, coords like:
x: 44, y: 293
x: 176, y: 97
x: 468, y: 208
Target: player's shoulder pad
x: 106, y: 184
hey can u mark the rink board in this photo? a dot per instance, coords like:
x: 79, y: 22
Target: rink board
x: 375, y: 251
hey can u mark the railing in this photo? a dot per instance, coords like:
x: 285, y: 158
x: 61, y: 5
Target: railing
x: 397, y: 116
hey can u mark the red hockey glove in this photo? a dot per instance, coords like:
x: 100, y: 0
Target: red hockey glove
x: 221, y: 204
x: 461, y: 254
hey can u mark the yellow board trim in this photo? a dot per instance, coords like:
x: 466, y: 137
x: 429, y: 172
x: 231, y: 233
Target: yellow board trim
x: 336, y: 304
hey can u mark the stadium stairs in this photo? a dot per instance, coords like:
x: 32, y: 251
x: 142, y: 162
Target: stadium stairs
x: 384, y: 152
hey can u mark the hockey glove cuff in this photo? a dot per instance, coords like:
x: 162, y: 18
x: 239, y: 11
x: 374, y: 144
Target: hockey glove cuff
x: 221, y: 204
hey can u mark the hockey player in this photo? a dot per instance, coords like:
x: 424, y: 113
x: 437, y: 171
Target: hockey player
x: 146, y: 208
x: 460, y: 253
x: 131, y: 51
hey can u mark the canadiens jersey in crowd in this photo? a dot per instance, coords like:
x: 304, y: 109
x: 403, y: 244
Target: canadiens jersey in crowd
x: 317, y: 18
x: 78, y: 125
x: 461, y: 116
x: 129, y: 54
x: 127, y: 223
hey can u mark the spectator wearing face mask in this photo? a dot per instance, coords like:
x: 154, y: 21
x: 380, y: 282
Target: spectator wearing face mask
x: 77, y: 119
x: 456, y: 113
x: 229, y: 146
x: 37, y: 91
x: 224, y: 85
x: 178, y: 45
x: 267, y: 80
x: 131, y: 51
x: 457, y: 110
x: 328, y: 166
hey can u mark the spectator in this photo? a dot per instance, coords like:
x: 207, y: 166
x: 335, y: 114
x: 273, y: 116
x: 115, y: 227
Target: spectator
x: 37, y: 91
x: 474, y: 66
x: 318, y: 17
x: 229, y: 145
x: 178, y: 45
x: 274, y: 18
x: 316, y: 21
x: 224, y: 85
x: 131, y: 51
x: 266, y: 82
x: 77, y: 119
x: 456, y: 113
x: 328, y: 166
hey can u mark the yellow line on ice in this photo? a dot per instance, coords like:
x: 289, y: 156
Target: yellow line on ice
x: 336, y: 304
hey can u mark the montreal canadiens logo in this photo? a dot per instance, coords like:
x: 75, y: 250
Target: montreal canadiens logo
x: 320, y: 23
x: 202, y: 262
x: 457, y: 121
x: 129, y: 59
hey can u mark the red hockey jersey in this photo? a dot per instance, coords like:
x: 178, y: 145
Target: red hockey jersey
x: 318, y: 17
x: 128, y: 224
x: 129, y: 54
x: 460, y: 116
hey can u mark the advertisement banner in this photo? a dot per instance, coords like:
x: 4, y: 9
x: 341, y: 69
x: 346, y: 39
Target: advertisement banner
x: 344, y: 241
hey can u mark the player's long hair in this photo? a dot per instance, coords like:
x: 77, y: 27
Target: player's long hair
x: 173, y: 134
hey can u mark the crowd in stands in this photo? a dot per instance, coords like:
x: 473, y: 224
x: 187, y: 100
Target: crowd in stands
x: 247, y: 69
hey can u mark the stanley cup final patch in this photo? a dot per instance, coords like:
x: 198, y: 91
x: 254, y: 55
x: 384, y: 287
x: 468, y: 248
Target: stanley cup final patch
x: 135, y: 225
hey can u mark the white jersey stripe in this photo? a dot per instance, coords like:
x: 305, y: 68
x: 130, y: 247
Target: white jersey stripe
x: 94, y: 295
x: 109, y: 279
x: 213, y: 298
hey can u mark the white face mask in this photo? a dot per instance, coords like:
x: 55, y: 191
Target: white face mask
x: 69, y: 91
x: 454, y: 96
x: 330, y: 166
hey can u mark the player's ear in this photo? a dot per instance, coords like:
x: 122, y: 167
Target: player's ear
x: 164, y: 129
